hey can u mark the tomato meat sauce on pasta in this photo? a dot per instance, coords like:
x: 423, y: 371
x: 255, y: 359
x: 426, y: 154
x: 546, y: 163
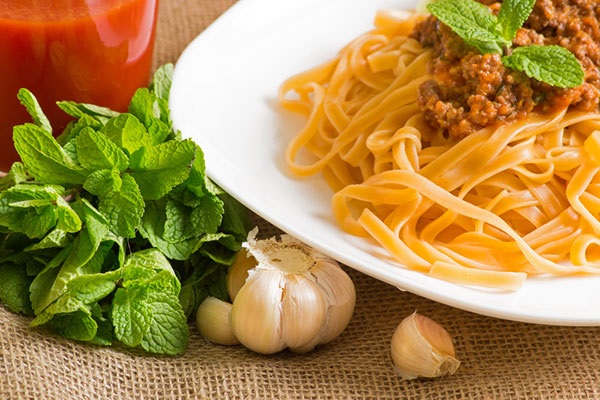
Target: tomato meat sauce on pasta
x: 459, y: 167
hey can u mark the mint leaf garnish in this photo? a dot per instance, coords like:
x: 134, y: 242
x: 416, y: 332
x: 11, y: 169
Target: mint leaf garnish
x: 472, y: 21
x: 478, y: 27
x: 512, y: 15
x: 554, y: 65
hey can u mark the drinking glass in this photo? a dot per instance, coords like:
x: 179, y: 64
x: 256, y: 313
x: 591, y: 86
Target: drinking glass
x: 88, y: 51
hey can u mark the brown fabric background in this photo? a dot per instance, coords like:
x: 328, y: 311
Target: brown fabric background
x: 500, y: 359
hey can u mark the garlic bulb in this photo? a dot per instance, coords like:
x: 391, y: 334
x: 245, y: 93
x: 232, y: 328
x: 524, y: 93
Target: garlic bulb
x: 212, y: 320
x: 422, y: 348
x: 286, y: 294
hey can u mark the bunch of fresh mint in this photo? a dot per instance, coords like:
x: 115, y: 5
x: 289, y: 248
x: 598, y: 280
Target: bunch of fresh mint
x: 489, y: 34
x: 112, y: 231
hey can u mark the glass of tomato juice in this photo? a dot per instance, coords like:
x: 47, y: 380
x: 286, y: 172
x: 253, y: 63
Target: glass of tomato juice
x: 88, y: 51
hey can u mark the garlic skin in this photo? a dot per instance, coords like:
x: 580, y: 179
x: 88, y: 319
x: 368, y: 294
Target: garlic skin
x: 213, y: 321
x: 238, y: 272
x: 292, y: 296
x: 421, y: 348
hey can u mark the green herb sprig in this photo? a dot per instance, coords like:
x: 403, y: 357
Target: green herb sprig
x: 491, y: 34
x: 112, y: 232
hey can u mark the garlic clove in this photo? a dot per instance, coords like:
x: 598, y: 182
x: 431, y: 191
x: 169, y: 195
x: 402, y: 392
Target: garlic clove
x: 212, y: 320
x: 304, y: 312
x: 279, y: 302
x: 422, y: 348
x: 341, y: 297
x: 238, y: 272
x: 256, y: 315
x: 439, y: 339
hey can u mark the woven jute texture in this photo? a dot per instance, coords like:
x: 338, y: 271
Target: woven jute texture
x: 500, y: 359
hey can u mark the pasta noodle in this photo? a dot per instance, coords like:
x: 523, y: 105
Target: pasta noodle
x: 488, y: 209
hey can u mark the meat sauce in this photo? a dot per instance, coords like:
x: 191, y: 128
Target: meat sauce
x: 471, y: 91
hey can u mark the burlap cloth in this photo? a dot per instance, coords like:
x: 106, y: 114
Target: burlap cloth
x: 500, y: 359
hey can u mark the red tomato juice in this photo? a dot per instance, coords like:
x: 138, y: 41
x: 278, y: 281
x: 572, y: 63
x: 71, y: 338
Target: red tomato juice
x: 89, y: 51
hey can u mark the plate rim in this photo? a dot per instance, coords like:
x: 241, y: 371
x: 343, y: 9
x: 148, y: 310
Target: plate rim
x: 214, y: 32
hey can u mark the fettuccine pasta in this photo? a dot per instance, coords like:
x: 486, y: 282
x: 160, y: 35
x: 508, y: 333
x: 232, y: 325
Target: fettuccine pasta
x: 488, y: 209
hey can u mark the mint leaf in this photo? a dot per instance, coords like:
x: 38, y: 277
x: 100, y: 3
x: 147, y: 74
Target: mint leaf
x: 151, y: 269
x: 512, y: 15
x: 472, y: 21
x: 96, y: 151
x: 123, y: 209
x: 478, y: 27
x: 79, y: 325
x: 168, y: 333
x: 235, y: 220
x: 80, y: 110
x: 33, y: 108
x: 158, y: 169
x: 554, y: 65
x: 14, y: 288
x: 219, y: 247
x: 153, y: 113
x: 206, y: 216
x: 184, y: 222
x: 207, y: 279
x: 68, y: 219
x: 146, y: 310
x: 44, y: 158
x: 16, y: 174
x: 130, y: 316
x: 151, y: 259
x: 54, y: 239
x: 91, y: 288
x: 82, y: 294
x: 161, y: 87
x: 73, y: 129
x: 42, y: 286
x: 152, y: 229
x: 197, y: 182
x: 84, y: 255
x: 103, y: 182
x: 128, y: 133
x: 32, y: 209
x: 161, y: 81
x: 104, y: 333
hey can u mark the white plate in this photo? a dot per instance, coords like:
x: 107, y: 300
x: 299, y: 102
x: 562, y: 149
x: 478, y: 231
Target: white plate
x: 224, y: 97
